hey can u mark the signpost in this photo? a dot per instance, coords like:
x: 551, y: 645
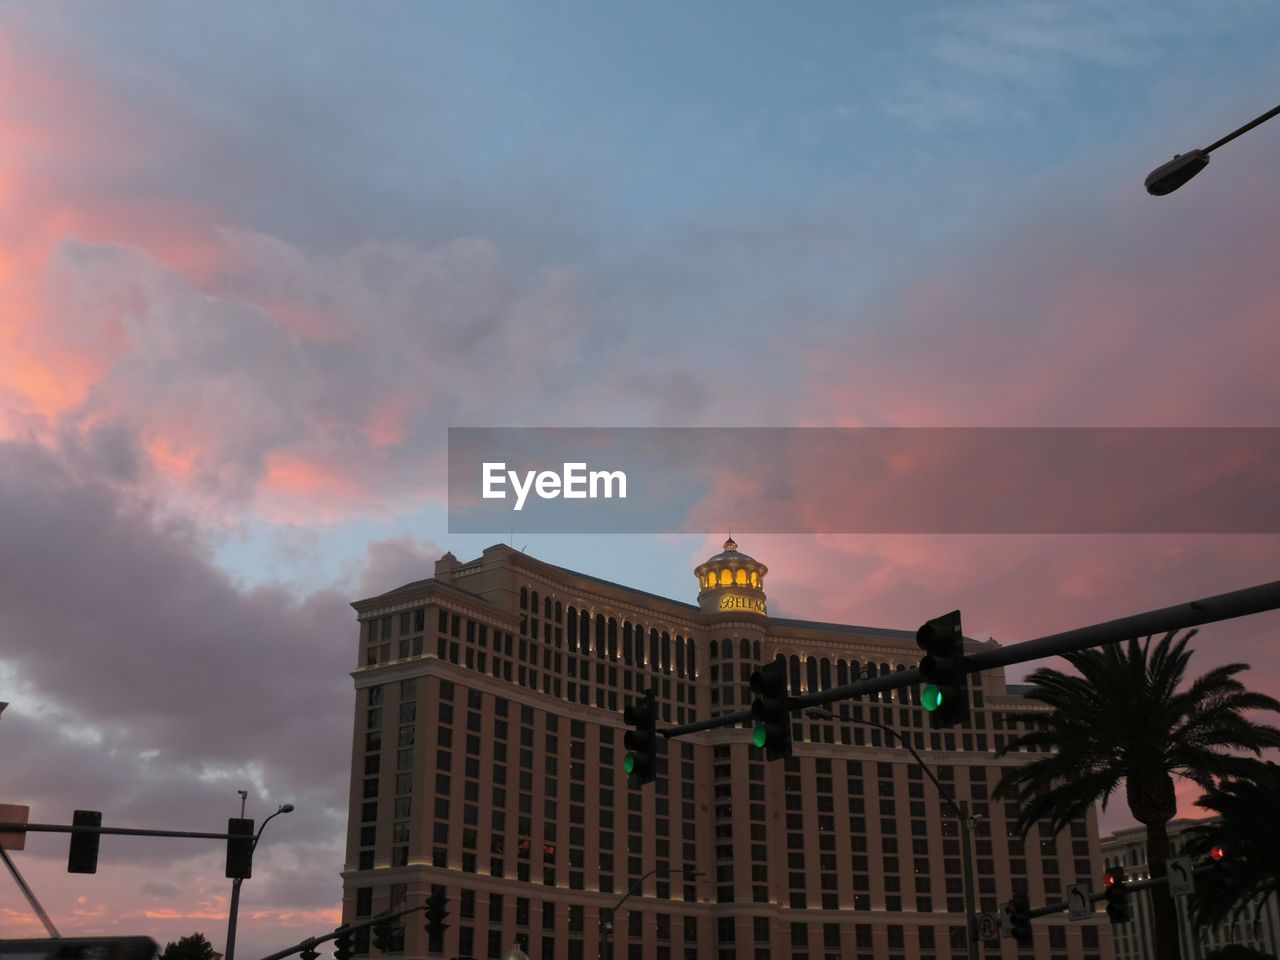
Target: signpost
x: 988, y: 927
x: 1181, y: 879
x: 13, y: 813
x: 1079, y: 901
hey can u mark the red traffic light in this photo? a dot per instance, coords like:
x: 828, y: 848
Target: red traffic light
x: 1218, y: 853
x: 1109, y: 879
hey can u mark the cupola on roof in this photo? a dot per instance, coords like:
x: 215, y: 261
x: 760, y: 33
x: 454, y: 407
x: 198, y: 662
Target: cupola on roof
x: 731, y: 581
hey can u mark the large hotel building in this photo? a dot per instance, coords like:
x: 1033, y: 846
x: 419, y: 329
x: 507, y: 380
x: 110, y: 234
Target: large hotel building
x: 488, y: 761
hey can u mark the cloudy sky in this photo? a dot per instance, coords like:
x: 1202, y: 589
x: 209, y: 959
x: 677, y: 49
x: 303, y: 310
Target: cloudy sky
x: 256, y: 259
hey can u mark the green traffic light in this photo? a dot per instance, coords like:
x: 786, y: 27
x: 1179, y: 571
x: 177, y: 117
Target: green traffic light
x: 759, y: 736
x: 629, y: 763
x: 932, y: 698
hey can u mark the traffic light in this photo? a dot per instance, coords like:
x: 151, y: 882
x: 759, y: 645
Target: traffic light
x: 308, y: 954
x: 642, y: 741
x: 773, y: 719
x: 1020, y: 918
x: 83, y: 857
x: 945, y: 696
x: 240, y: 848
x: 1117, y: 895
x: 382, y: 933
x: 342, y: 948
x: 1223, y: 871
x: 436, y: 913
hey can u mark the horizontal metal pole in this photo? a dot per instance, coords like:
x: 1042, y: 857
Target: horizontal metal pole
x: 342, y: 931
x: 1130, y: 887
x: 122, y: 831
x: 1225, y: 606
x: 724, y: 720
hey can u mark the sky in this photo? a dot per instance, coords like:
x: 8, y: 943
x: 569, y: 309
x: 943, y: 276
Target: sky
x: 255, y: 260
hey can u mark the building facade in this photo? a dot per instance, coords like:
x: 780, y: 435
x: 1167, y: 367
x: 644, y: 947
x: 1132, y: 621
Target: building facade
x: 488, y: 760
x: 1258, y: 927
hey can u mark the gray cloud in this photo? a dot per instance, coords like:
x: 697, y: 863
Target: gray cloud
x: 145, y: 684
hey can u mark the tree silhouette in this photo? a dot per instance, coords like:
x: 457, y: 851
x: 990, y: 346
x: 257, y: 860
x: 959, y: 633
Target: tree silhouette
x: 194, y: 947
x: 1124, y: 719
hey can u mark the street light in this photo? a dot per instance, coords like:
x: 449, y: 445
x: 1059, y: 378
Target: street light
x: 235, y: 884
x: 1168, y: 177
x: 959, y: 809
x: 606, y: 922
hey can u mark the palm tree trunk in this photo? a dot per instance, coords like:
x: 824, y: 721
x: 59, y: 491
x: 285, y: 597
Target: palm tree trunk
x: 1164, y: 911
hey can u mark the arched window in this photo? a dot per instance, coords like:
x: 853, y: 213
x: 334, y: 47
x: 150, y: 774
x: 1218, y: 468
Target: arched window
x: 842, y: 672
x: 826, y: 673
x: 559, y: 613
x: 755, y: 578
x: 715, y: 649
x: 626, y: 643
x: 613, y: 639
x: 795, y: 672
x: 885, y: 695
x: 811, y: 673
x: 679, y: 656
x: 744, y: 649
x: 655, y: 650
x: 726, y: 578
x: 666, y: 652
x: 524, y: 598
x: 639, y: 644
x: 584, y: 631
x: 546, y: 608
x: 533, y: 602
x: 573, y: 630
x: 741, y: 578
x: 693, y: 666
x: 601, y: 633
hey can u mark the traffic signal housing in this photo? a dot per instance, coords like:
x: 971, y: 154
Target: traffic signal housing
x: 641, y: 740
x: 770, y: 710
x: 945, y: 696
x: 239, y: 848
x: 382, y: 934
x: 83, y: 856
x: 342, y: 948
x: 1223, y: 869
x: 436, y: 912
x: 1020, y: 918
x: 1117, y: 894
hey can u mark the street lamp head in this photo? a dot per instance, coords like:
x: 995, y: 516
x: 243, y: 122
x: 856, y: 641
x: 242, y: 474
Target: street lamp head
x: 286, y: 808
x: 1168, y: 177
x: 818, y: 713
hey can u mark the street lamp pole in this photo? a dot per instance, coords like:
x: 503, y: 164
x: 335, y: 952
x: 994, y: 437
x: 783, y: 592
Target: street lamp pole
x: 607, y: 923
x: 1168, y: 177
x: 961, y: 811
x: 235, y: 884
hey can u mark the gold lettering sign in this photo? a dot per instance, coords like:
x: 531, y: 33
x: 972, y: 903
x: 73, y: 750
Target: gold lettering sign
x: 735, y: 601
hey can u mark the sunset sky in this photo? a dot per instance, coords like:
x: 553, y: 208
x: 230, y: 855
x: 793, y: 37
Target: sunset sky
x: 256, y: 259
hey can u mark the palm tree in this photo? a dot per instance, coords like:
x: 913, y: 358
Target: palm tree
x: 1244, y: 827
x: 1122, y: 719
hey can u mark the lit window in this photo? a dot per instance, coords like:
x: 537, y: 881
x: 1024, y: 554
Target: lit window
x: 726, y: 578
x: 742, y: 578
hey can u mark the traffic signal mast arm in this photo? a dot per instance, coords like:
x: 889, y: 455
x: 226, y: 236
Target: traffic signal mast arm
x: 122, y: 831
x: 1131, y: 886
x: 345, y: 930
x: 1225, y: 606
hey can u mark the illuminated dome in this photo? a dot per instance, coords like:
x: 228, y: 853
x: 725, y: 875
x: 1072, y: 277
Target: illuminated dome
x: 731, y: 582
